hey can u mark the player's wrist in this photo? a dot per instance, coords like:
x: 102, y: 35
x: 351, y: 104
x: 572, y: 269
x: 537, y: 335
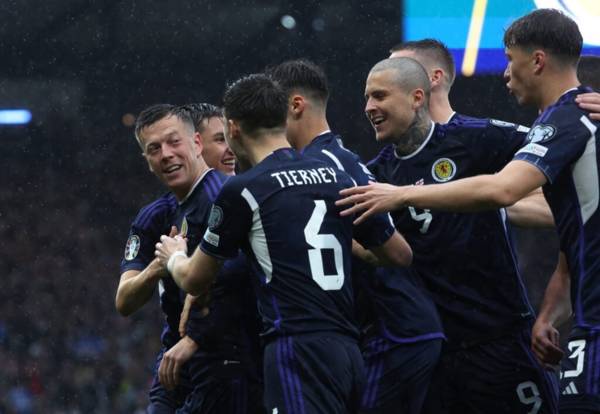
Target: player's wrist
x: 173, y: 259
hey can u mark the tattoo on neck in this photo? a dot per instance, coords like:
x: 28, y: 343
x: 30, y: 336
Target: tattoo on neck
x: 415, y: 135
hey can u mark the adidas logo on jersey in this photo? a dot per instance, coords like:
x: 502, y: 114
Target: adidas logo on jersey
x: 570, y: 389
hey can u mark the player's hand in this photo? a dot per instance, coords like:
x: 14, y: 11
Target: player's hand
x: 590, y: 102
x: 173, y: 360
x: 545, y: 344
x: 167, y: 246
x: 191, y: 300
x: 370, y: 199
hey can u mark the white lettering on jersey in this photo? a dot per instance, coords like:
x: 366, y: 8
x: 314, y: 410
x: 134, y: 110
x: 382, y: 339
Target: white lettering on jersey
x: 292, y: 178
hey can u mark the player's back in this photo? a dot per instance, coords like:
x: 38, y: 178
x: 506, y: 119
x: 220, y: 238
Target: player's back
x: 396, y: 306
x: 285, y: 212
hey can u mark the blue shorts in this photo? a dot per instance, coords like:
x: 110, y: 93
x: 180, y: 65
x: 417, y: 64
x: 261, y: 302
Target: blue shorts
x: 208, y: 387
x: 580, y: 374
x: 316, y: 373
x: 398, y: 375
x: 500, y: 376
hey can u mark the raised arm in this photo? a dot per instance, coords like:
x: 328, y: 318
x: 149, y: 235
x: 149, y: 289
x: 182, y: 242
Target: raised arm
x: 482, y: 192
x: 531, y: 211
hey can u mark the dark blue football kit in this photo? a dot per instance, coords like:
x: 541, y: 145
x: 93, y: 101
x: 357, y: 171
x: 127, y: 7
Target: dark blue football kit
x: 401, y: 329
x: 468, y: 265
x: 563, y: 144
x: 221, y: 377
x: 282, y: 213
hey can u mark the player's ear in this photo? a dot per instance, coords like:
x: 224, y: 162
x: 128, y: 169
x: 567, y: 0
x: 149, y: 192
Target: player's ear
x: 437, y: 77
x: 233, y: 129
x: 418, y: 97
x: 198, y: 143
x: 539, y: 61
x: 297, y: 105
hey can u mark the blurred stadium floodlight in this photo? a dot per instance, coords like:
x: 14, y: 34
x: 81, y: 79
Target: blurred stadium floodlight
x: 14, y: 116
x: 44, y: 98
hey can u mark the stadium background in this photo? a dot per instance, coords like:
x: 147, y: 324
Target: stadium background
x: 73, y: 177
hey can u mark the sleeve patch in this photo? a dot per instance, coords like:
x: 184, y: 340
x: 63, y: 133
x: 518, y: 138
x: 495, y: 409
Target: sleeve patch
x: 216, y: 217
x: 541, y: 133
x: 211, y: 238
x: 132, y: 247
x: 535, y: 149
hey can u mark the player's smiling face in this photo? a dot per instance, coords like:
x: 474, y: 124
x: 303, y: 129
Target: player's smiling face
x: 389, y: 108
x: 215, y: 150
x: 518, y: 74
x: 172, y: 151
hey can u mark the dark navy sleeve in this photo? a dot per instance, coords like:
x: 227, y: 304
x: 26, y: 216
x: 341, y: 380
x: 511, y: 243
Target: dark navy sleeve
x: 151, y: 222
x: 557, y: 142
x: 501, y: 140
x: 229, y: 223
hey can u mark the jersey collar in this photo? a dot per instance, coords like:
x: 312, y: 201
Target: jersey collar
x: 406, y: 157
x: 198, y: 181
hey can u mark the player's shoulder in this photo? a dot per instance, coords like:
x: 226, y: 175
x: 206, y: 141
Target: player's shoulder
x: 212, y: 183
x: 563, y: 116
x: 383, y: 157
x: 158, y: 210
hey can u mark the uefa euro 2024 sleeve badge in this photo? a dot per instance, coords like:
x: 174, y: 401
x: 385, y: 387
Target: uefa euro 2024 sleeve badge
x: 443, y: 169
x: 132, y: 247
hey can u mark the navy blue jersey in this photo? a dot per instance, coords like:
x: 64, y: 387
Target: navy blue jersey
x: 400, y: 310
x: 152, y: 221
x: 563, y: 144
x: 283, y: 213
x: 466, y: 260
x: 230, y: 299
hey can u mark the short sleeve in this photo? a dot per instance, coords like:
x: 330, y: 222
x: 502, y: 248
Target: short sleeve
x: 557, y: 143
x: 229, y: 222
x: 500, y: 141
x: 144, y: 233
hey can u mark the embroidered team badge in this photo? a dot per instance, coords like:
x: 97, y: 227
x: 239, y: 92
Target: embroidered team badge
x: 184, y: 227
x: 216, y: 217
x: 132, y: 247
x: 541, y: 133
x: 443, y: 170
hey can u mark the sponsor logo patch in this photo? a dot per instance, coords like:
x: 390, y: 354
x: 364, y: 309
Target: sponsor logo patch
x: 132, y: 247
x: 541, y: 133
x: 535, y: 149
x: 499, y: 123
x: 211, y: 238
x: 443, y: 170
x: 215, y: 218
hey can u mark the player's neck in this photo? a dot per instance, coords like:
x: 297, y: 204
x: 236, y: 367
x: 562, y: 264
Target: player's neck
x: 555, y: 86
x: 312, y: 126
x: 183, y: 193
x: 439, y: 107
x: 416, y: 134
x: 260, y: 148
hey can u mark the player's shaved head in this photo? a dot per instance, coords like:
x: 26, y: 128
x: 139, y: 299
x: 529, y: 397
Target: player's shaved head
x: 408, y: 74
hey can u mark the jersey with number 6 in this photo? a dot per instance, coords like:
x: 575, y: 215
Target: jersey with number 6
x: 466, y: 259
x: 282, y: 213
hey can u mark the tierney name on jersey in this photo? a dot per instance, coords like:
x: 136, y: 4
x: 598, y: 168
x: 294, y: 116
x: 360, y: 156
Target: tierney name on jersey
x: 291, y: 178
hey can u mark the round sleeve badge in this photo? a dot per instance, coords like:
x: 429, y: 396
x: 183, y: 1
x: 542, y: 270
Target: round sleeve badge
x: 216, y: 217
x: 443, y: 170
x: 132, y: 247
